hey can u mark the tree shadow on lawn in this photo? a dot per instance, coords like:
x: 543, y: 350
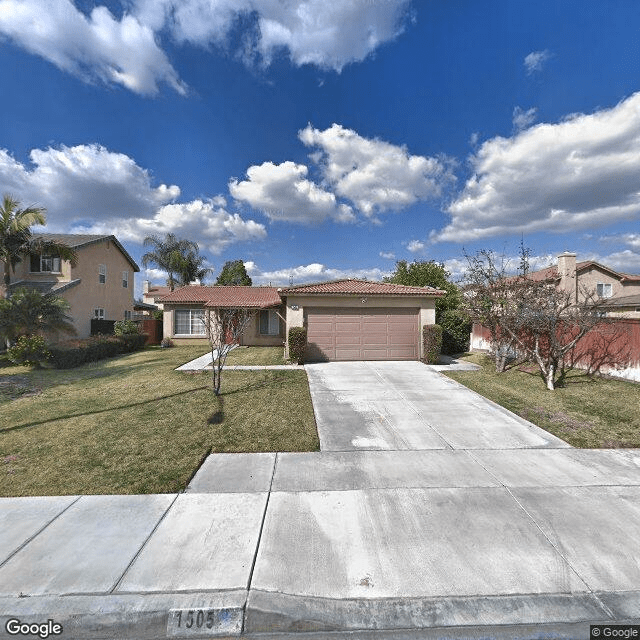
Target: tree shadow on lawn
x: 17, y: 427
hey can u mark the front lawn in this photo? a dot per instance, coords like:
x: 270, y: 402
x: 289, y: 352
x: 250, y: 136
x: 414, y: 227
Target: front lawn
x: 586, y: 412
x: 256, y: 356
x: 134, y: 425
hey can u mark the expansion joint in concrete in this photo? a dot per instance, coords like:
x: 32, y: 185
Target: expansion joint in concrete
x: 38, y: 532
x: 144, y: 544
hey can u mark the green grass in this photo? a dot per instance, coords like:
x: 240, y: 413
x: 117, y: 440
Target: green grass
x: 134, y: 425
x: 256, y: 356
x: 588, y: 412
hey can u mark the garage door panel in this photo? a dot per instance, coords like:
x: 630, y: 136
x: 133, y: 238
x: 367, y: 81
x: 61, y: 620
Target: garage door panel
x: 370, y: 334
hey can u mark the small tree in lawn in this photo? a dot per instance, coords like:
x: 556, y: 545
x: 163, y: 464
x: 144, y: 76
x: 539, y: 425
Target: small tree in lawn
x: 541, y: 321
x: 224, y: 327
x: 486, y: 295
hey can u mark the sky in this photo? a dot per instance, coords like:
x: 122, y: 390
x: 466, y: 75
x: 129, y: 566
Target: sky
x: 318, y: 140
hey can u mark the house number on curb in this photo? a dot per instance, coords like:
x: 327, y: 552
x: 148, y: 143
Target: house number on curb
x: 201, y: 622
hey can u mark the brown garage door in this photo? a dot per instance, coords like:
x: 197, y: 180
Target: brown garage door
x: 362, y: 334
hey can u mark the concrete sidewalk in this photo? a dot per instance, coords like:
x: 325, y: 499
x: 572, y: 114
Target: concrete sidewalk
x: 440, y: 542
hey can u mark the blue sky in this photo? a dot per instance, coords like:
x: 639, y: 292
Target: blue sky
x: 329, y: 139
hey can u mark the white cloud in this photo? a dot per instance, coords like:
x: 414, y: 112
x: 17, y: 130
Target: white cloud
x: 91, y: 47
x: 535, y: 60
x: 127, y: 51
x: 630, y: 239
x: 328, y: 35
x: 522, y: 119
x: 387, y: 255
x: 199, y: 220
x: 283, y: 192
x: 415, y: 246
x: 376, y: 176
x: 314, y: 272
x: 626, y: 261
x: 85, y: 181
x: 90, y: 189
x: 570, y: 176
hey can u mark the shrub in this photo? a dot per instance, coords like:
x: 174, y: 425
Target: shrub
x: 30, y: 350
x: 125, y: 327
x: 158, y: 314
x: 432, y: 343
x: 297, y: 343
x: 74, y: 353
x: 456, y: 328
x: 166, y: 343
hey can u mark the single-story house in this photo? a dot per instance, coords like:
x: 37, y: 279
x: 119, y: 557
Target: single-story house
x: 345, y: 319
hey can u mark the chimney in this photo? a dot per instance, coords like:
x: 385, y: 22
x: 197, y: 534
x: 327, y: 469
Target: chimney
x: 145, y: 286
x: 567, y: 273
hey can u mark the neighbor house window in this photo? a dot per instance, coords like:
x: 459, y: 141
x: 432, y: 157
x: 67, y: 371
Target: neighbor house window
x: 98, y: 314
x: 102, y: 273
x: 269, y: 323
x: 189, y: 322
x: 47, y: 264
x: 125, y: 279
x: 604, y: 290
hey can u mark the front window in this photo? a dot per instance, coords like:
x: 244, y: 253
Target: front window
x: 46, y: 264
x: 269, y: 323
x: 604, y: 290
x: 189, y: 322
x: 127, y: 315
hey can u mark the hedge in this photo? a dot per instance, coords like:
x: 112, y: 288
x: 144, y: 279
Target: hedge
x: 297, y: 343
x: 74, y: 353
x: 431, y: 343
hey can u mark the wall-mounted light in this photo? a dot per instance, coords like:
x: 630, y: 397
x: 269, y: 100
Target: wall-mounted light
x: 364, y: 301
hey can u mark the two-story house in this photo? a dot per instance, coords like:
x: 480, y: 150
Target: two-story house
x: 100, y: 285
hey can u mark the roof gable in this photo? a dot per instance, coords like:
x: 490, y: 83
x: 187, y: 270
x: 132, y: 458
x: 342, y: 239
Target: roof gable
x: 351, y: 286
x: 81, y: 240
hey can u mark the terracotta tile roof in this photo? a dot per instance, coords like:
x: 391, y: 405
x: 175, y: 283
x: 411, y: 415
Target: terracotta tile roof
x: 157, y: 290
x: 360, y: 287
x: 230, y: 297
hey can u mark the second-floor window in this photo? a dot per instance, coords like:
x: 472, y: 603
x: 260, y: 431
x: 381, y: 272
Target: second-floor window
x: 102, y: 273
x: 47, y: 264
x: 125, y: 279
x: 98, y: 314
x: 604, y: 290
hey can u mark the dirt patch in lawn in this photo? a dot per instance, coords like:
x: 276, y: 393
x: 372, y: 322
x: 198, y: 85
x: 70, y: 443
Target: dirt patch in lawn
x: 14, y: 387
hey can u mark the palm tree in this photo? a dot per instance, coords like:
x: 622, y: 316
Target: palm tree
x: 192, y: 268
x: 169, y: 254
x: 17, y: 241
x: 29, y: 312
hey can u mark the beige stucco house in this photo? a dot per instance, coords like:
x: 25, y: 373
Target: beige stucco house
x: 99, y: 286
x: 589, y: 276
x: 345, y: 319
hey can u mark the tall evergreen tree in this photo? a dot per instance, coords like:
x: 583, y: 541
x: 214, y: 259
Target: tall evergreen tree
x: 234, y: 273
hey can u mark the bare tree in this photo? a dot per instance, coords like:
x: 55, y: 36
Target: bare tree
x: 531, y: 315
x: 485, y: 298
x: 223, y: 326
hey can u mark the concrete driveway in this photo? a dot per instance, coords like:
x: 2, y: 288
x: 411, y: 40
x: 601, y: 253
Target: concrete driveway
x: 406, y: 405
